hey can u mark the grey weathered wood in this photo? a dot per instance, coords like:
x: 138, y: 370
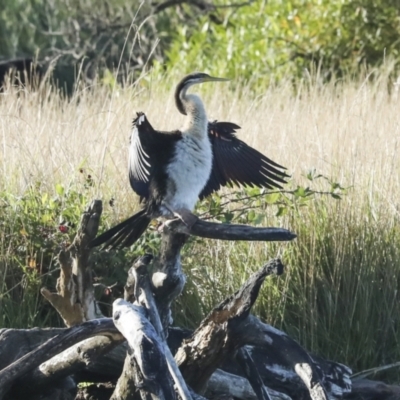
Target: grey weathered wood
x: 168, y: 279
x: 132, y: 289
x: 251, y: 372
x: 313, y: 381
x: 366, y: 389
x: 125, y: 388
x: 296, y: 358
x: 214, y: 230
x: 142, y: 292
x: 74, y: 300
x: 277, y: 372
x: 70, y: 361
x: 147, y: 352
x: 15, y: 343
x: 55, y: 345
x: 215, y: 339
x: 223, y: 383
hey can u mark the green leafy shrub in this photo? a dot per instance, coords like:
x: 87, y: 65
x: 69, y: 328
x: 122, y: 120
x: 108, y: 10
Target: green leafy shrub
x: 260, y: 43
x: 34, y: 227
x: 269, y: 41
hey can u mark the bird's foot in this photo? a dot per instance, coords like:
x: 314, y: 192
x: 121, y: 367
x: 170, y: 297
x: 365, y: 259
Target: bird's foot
x: 160, y: 226
x: 186, y: 216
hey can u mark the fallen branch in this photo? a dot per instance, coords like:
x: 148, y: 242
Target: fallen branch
x: 283, y: 356
x: 276, y: 371
x: 223, y: 383
x: 67, y: 363
x: 366, y: 389
x: 30, y: 361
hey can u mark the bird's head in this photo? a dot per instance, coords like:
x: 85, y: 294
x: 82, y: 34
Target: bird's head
x: 199, y: 77
x: 189, y: 80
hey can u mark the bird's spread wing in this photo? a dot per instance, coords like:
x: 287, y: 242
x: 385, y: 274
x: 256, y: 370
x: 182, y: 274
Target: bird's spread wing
x: 146, y: 145
x: 139, y: 158
x: 236, y: 163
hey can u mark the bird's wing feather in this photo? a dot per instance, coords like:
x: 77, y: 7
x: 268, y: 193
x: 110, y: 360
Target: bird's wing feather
x: 144, y: 151
x: 236, y: 163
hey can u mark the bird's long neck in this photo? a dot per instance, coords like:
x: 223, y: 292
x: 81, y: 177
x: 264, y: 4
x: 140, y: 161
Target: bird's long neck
x: 196, y: 117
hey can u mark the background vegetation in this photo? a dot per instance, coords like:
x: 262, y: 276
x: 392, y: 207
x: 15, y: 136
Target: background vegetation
x: 257, y: 40
x: 303, y: 93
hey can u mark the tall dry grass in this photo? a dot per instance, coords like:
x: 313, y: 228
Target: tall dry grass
x: 339, y: 296
x: 350, y: 132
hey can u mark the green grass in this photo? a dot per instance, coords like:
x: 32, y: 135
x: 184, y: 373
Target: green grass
x: 339, y: 294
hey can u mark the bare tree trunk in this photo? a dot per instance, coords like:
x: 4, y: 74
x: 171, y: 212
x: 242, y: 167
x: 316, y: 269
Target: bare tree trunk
x: 139, y: 288
x: 147, y: 364
x: 168, y: 280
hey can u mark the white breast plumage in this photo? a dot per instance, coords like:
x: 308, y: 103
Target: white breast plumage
x: 189, y: 171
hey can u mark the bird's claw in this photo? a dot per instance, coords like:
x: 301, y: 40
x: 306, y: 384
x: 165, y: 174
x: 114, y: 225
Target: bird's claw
x: 186, y: 216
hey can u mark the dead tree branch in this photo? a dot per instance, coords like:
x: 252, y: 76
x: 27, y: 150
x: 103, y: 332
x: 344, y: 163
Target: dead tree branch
x: 294, y: 358
x: 215, y: 339
x: 213, y: 230
x: 72, y: 360
x: 74, y: 300
x: 200, y: 4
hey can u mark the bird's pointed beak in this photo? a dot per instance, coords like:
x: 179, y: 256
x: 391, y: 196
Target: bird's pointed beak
x: 216, y: 79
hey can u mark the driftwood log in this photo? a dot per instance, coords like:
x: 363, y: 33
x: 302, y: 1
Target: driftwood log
x: 232, y: 354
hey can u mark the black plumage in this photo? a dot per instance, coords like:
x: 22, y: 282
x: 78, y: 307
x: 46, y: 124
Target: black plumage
x: 236, y: 163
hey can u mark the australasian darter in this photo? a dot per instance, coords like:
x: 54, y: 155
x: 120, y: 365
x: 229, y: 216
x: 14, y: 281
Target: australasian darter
x: 170, y: 171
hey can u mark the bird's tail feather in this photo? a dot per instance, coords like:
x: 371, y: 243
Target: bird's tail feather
x: 125, y: 233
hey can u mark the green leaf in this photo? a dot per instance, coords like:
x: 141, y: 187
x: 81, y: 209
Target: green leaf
x: 228, y: 216
x: 251, y: 215
x: 59, y: 189
x: 282, y: 211
x: 272, y: 198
